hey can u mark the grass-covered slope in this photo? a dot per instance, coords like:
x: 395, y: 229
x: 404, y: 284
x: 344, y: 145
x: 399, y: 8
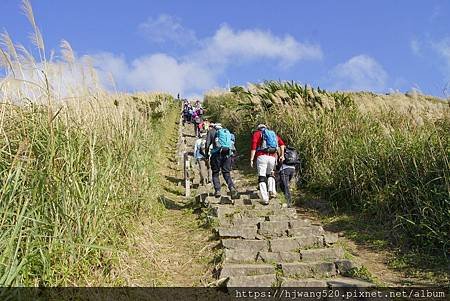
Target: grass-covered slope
x: 386, y: 156
x: 73, y: 177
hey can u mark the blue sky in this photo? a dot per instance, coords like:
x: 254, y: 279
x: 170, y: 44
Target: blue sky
x: 192, y: 46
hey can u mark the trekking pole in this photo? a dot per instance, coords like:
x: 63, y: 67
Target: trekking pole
x: 187, y: 183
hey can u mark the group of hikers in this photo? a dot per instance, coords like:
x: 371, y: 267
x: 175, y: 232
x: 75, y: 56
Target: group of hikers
x: 215, y: 153
x: 194, y: 114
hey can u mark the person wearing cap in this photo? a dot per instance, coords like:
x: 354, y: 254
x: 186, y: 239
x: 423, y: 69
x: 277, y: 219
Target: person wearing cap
x: 202, y: 159
x: 265, y: 163
x: 219, y: 162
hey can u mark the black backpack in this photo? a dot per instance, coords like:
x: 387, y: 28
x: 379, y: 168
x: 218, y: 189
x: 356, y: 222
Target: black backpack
x: 291, y: 156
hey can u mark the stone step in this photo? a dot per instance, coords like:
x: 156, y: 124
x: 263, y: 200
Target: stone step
x: 295, y: 243
x: 330, y: 238
x: 238, y: 220
x: 348, y: 282
x: 344, y: 266
x: 252, y: 245
x: 273, y: 229
x: 278, y: 257
x: 309, y: 269
x: 321, y: 254
x: 268, y: 280
x: 281, y: 218
x: 247, y: 232
x: 226, y: 210
x: 308, y: 282
x: 306, y: 230
x: 239, y: 256
x: 297, y: 223
x: 232, y: 270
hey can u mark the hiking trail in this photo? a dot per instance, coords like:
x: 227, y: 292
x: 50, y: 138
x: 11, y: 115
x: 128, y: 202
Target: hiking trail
x: 268, y: 245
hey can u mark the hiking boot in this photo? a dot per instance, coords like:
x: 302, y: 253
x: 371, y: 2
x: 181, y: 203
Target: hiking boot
x: 217, y: 194
x: 234, y: 193
x: 272, y: 194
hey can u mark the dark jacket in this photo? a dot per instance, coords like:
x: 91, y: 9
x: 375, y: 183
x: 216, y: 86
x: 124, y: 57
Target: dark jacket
x: 210, y: 136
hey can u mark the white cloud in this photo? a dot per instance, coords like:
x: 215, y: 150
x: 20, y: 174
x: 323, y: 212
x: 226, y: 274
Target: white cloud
x: 252, y: 44
x: 200, y: 68
x: 442, y: 48
x: 155, y: 72
x: 361, y: 72
x: 166, y: 28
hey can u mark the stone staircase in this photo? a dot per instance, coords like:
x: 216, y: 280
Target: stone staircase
x: 270, y: 245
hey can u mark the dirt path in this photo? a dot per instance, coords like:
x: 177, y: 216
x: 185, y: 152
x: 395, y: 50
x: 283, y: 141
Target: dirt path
x: 170, y: 249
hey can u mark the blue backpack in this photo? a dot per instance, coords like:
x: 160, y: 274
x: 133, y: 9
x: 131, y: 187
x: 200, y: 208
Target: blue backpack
x: 223, y: 142
x: 269, y: 141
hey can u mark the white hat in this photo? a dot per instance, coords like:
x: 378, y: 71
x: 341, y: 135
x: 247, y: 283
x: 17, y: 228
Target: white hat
x: 217, y: 125
x: 261, y: 126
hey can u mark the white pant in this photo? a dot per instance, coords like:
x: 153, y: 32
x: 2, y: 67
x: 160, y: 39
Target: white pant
x: 265, y: 166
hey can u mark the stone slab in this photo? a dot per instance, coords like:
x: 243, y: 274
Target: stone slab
x: 233, y: 269
x: 309, y: 282
x: 344, y: 266
x: 309, y: 270
x: 247, y: 232
x: 306, y: 230
x: 295, y: 243
x: 299, y: 223
x: 330, y: 238
x: 239, y: 256
x: 273, y: 229
x: 278, y: 257
x: 349, y: 282
x: 246, y: 244
x: 330, y: 254
x: 252, y: 281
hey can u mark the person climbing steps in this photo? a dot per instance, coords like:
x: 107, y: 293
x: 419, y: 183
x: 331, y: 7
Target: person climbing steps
x: 265, y: 146
x: 220, y: 140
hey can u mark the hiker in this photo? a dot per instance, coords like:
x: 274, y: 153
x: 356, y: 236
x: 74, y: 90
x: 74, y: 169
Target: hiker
x: 265, y: 146
x: 286, y: 169
x: 220, y: 159
x: 202, y: 159
x: 196, y: 120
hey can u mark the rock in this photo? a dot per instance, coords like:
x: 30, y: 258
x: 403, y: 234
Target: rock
x: 226, y: 200
x: 287, y: 282
x: 273, y: 229
x: 349, y: 282
x: 307, y: 230
x: 316, y: 269
x: 252, y: 281
x: 298, y: 223
x: 277, y: 257
x: 344, y: 266
x: 330, y: 238
x: 279, y: 218
x: 239, y: 256
x: 295, y: 243
x: 321, y: 254
x: 283, y: 245
x: 230, y: 270
x: 245, y: 244
x: 248, y: 232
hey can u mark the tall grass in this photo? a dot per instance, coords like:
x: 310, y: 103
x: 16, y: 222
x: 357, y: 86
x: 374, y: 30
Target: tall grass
x: 77, y: 165
x: 391, y: 165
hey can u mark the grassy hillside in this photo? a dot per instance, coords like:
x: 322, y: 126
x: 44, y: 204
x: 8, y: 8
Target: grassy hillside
x: 385, y: 156
x: 73, y: 177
